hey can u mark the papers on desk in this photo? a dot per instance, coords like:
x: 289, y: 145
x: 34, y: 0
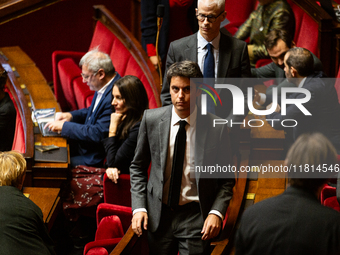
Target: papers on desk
x: 41, y: 117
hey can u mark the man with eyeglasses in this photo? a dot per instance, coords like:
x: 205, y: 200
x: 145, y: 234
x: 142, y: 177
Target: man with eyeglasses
x: 229, y: 55
x: 86, y: 127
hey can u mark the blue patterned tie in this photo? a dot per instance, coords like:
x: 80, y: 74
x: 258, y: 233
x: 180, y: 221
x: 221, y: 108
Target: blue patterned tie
x: 209, y: 72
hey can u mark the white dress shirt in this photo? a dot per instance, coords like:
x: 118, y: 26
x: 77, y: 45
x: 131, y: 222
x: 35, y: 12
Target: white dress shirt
x: 100, y: 94
x: 188, y: 186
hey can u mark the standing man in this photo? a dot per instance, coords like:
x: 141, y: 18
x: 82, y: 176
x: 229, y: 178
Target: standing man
x: 323, y: 106
x: 181, y: 209
x: 218, y: 55
x: 87, y: 127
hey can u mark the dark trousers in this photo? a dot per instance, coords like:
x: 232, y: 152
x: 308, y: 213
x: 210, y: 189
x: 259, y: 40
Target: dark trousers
x: 179, y: 231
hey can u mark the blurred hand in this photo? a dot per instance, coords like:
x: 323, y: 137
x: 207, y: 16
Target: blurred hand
x: 211, y: 227
x: 64, y: 116
x: 113, y: 174
x: 154, y: 60
x: 136, y: 222
x: 278, y: 108
x: 55, y: 126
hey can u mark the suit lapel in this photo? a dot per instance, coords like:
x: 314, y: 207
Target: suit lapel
x: 201, y: 137
x: 163, y: 134
x: 224, y: 56
x: 190, y: 52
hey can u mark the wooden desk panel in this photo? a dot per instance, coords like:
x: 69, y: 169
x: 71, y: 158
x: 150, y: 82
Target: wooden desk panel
x: 40, y: 97
x: 48, y: 200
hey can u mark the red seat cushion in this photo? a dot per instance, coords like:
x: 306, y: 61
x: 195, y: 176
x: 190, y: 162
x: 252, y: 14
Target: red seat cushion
x: 332, y: 202
x: 69, y: 71
x: 102, y: 38
x: 109, y: 227
x: 82, y: 92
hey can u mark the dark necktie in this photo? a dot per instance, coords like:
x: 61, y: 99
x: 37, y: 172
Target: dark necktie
x: 209, y: 72
x: 177, y: 165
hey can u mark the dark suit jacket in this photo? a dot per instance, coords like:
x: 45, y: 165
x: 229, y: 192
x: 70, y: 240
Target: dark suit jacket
x: 152, y: 145
x: 323, y: 105
x: 233, y: 63
x: 292, y: 223
x: 89, y: 129
x: 22, y: 230
x: 8, y: 116
x: 274, y: 71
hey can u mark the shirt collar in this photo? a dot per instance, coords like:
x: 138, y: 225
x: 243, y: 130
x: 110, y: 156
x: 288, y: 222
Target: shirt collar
x: 191, y: 119
x: 102, y: 90
x: 302, y: 82
x: 201, y: 42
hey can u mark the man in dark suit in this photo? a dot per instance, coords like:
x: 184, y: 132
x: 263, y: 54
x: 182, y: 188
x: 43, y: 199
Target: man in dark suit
x: 295, y: 222
x: 230, y: 55
x: 87, y: 127
x: 323, y: 106
x: 277, y: 42
x: 188, y: 223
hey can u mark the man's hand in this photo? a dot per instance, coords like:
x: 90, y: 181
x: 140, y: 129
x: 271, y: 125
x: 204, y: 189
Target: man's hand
x: 211, y: 227
x: 137, y: 220
x: 63, y: 116
x: 278, y: 108
x: 113, y: 174
x: 55, y: 126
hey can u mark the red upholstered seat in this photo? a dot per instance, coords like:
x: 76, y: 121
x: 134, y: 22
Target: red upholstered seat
x: 19, y: 136
x: 238, y: 12
x: 72, y: 93
x: 328, y: 197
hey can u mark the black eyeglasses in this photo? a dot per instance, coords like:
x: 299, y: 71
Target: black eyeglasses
x: 211, y: 18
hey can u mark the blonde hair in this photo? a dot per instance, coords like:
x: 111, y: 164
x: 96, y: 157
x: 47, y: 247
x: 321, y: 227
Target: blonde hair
x: 12, y: 168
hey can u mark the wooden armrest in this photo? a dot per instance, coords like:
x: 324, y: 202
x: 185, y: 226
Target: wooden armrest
x: 128, y: 241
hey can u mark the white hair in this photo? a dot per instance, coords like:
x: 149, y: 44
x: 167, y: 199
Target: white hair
x: 220, y: 3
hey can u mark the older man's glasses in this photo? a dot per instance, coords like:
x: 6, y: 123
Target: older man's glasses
x: 87, y: 77
x: 210, y: 18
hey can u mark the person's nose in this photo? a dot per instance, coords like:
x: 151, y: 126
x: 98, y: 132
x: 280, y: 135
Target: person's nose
x: 114, y: 102
x: 280, y: 61
x: 180, y: 93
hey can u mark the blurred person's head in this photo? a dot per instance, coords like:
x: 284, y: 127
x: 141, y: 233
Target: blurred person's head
x: 299, y: 63
x: 312, y: 151
x: 97, y: 69
x: 210, y: 14
x: 278, y: 42
x: 129, y: 98
x: 12, y: 169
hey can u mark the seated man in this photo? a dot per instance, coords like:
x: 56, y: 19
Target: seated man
x: 181, y: 208
x: 270, y: 15
x: 8, y: 115
x: 322, y: 110
x: 295, y: 222
x: 22, y: 229
x: 277, y: 42
x: 87, y: 127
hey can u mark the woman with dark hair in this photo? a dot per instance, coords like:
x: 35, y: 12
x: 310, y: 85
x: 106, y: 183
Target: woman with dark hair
x: 129, y: 100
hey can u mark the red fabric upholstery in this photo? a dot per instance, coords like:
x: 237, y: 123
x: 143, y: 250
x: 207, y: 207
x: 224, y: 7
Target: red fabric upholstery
x: 97, y: 251
x: 238, y: 12
x: 118, y: 194
x: 102, y: 38
x: 58, y: 90
x: 69, y: 71
x: 328, y: 197
x: 109, y: 227
x: 113, y: 221
x: 19, y: 135
x: 263, y: 62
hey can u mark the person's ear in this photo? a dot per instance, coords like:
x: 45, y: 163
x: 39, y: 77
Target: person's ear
x: 293, y: 71
x: 293, y: 45
x: 101, y: 73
